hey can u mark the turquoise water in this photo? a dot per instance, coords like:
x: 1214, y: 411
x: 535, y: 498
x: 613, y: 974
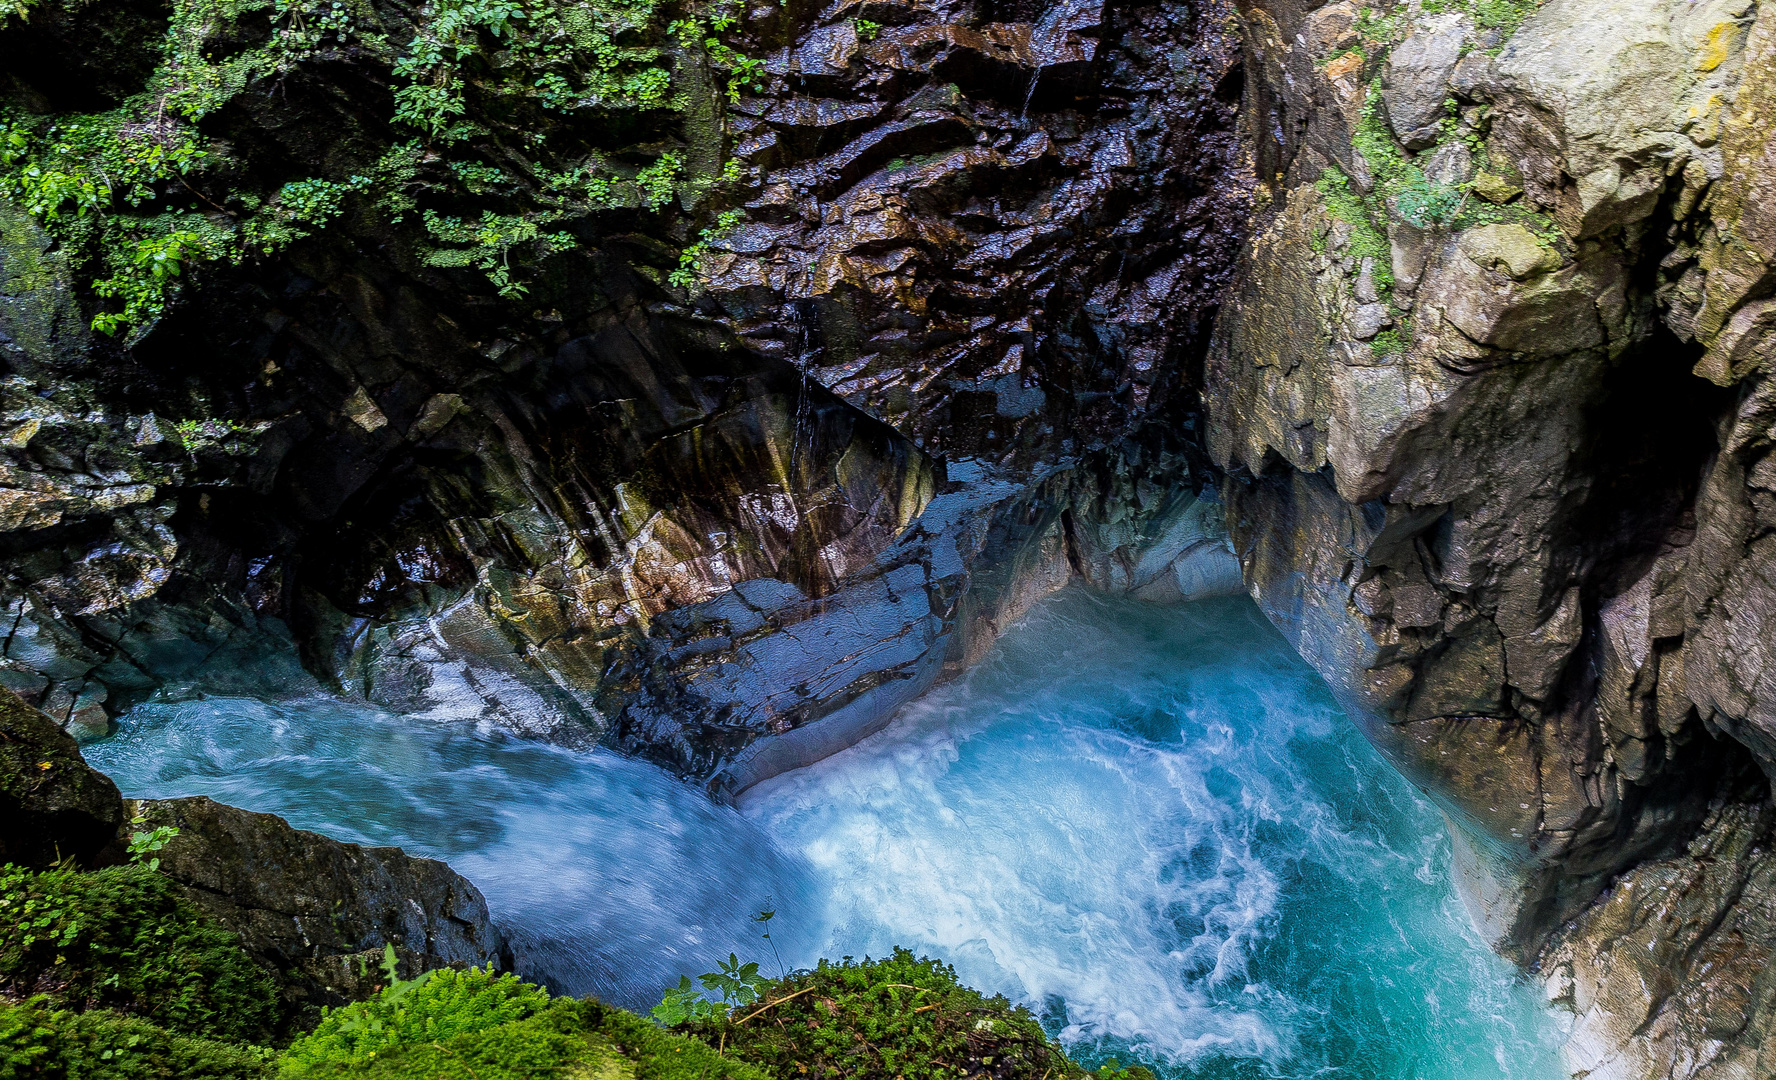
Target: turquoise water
x: 1151, y: 824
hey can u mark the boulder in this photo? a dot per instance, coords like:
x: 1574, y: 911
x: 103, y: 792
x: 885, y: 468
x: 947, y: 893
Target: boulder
x: 1417, y: 79
x: 318, y: 912
x: 53, y: 805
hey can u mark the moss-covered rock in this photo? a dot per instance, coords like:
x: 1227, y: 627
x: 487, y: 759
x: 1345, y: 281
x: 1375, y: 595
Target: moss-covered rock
x: 126, y: 938
x: 899, y: 1018
x: 316, y: 911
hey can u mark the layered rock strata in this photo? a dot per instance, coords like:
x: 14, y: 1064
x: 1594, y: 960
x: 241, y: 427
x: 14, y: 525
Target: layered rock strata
x: 979, y: 247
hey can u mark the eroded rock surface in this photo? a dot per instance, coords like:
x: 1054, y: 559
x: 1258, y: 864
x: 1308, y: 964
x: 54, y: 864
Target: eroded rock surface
x: 981, y: 247
x: 1493, y: 456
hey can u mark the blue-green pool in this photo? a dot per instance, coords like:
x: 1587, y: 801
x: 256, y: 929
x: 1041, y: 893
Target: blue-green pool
x: 1151, y: 824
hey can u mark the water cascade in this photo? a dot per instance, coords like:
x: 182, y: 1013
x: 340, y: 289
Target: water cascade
x: 1150, y: 824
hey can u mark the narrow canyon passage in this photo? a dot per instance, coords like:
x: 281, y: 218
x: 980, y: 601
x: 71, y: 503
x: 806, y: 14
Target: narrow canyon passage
x: 1149, y: 823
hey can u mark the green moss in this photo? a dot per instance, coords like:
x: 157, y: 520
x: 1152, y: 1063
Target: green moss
x: 1367, y: 240
x: 900, y: 1018
x: 126, y: 938
x: 39, y: 1040
x: 1504, y: 16
x: 474, y: 1025
x: 657, y: 1054
x: 545, y: 1042
x: 1389, y: 343
x: 439, y: 1005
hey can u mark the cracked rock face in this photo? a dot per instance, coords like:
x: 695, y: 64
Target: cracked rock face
x: 947, y: 361
x: 1002, y: 230
x: 1518, y: 530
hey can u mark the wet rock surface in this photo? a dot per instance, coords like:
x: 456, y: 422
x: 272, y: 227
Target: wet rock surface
x: 981, y: 247
x: 1668, y: 972
x: 1485, y: 403
x: 52, y: 806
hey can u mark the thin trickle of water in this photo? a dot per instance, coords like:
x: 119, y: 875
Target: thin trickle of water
x: 802, y: 317
x: 1030, y: 94
x: 1151, y: 824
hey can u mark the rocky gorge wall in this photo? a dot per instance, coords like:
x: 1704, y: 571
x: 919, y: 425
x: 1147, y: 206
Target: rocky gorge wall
x: 951, y: 335
x: 1489, y: 394
x: 944, y: 305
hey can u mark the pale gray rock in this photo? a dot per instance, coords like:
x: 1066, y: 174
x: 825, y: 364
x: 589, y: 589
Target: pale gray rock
x: 1416, y: 81
x: 1367, y: 321
x: 1451, y: 164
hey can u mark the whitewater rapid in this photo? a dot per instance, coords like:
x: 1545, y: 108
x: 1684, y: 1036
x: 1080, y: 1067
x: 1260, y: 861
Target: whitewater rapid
x: 1150, y: 824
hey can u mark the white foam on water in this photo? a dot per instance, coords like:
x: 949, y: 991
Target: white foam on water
x: 1155, y: 826
x: 610, y: 876
x: 1150, y: 824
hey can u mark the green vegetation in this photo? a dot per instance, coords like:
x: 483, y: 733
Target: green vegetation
x: 115, y: 976
x: 592, y: 93
x: 1418, y: 201
x: 866, y: 30
x: 126, y: 939
x: 1382, y: 24
x: 1389, y: 342
x: 436, y: 1006
x: 739, y: 985
x: 687, y: 273
x: 1367, y: 241
x: 1504, y: 16
x: 39, y: 1040
x: 899, y: 1018
x: 476, y: 1025
x: 557, y: 1041
x: 143, y: 843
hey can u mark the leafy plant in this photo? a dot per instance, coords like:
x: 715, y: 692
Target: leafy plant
x: 1425, y: 204
x: 738, y: 984
x: 487, y: 244
x: 126, y: 938
x: 145, y: 842
x: 764, y: 918
x: 866, y: 30
x: 143, y: 278
x: 687, y: 276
